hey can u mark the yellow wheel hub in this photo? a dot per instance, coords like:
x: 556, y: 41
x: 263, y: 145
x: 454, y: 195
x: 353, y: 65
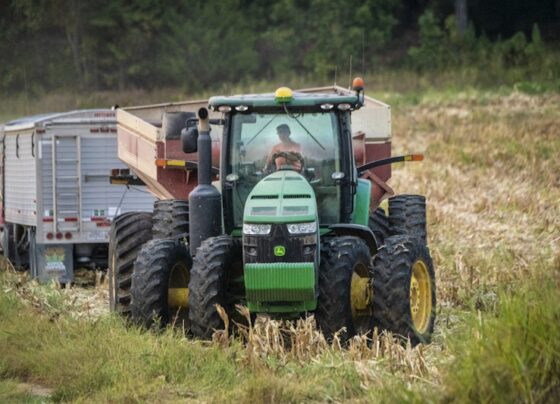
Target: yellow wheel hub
x: 178, y: 297
x: 178, y: 291
x: 420, y: 296
x: 360, y: 295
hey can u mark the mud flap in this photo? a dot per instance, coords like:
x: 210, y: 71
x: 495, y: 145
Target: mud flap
x: 52, y: 261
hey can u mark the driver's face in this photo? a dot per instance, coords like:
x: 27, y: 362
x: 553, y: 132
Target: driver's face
x: 283, y: 135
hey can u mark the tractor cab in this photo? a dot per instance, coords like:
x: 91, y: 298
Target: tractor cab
x: 307, y: 134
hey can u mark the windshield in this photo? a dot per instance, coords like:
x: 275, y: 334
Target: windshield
x: 262, y: 143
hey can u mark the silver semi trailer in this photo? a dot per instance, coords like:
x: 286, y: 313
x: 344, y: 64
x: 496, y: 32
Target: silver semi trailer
x: 56, y: 199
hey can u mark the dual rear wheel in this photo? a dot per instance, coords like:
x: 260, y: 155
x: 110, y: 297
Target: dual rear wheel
x: 131, y: 252
x: 160, y: 283
x: 395, y: 292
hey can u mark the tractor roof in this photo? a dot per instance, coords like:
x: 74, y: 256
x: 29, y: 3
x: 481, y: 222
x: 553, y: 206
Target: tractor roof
x: 291, y: 99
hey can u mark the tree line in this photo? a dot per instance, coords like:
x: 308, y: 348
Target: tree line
x: 120, y: 44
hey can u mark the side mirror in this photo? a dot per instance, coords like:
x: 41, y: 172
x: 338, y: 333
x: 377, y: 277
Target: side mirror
x: 189, y: 140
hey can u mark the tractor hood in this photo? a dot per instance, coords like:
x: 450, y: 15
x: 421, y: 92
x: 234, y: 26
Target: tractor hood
x: 282, y: 197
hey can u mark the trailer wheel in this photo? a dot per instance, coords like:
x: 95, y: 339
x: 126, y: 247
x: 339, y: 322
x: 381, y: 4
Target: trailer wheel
x: 180, y: 223
x: 210, y: 275
x: 345, y: 288
x: 7, y: 241
x: 162, y: 219
x: 404, y: 289
x: 16, y: 245
x: 160, y: 283
x: 171, y: 218
x: 407, y: 216
x: 379, y: 225
x: 129, y: 232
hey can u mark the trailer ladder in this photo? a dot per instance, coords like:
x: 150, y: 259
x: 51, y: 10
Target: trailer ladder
x: 67, y: 184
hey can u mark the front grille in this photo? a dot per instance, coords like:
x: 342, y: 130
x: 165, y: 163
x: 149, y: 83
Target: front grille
x: 264, y: 197
x: 298, y: 248
x: 297, y: 196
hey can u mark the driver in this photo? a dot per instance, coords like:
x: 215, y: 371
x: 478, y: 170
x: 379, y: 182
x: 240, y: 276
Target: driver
x: 288, y: 146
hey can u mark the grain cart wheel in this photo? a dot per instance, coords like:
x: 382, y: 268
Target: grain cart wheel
x: 209, y: 285
x: 129, y: 232
x: 16, y: 244
x: 407, y: 216
x: 404, y: 289
x: 345, y: 293
x: 180, y: 223
x: 171, y: 218
x: 379, y: 225
x: 160, y: 283
x: 162, y: 219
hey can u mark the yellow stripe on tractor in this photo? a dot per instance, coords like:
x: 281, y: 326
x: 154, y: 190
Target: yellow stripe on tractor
x: 170, y: 163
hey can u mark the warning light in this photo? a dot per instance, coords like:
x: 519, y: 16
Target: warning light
x: 358, y: 84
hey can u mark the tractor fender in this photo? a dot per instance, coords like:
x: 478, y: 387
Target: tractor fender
x: 356, y: 230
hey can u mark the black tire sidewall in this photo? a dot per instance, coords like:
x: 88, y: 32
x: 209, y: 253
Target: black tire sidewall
x: 339, y: 258
x: 392, y: 311
x: 208, y: 284
x: 149, y: 302
x: 120, y: 224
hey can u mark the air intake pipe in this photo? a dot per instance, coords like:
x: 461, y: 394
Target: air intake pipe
x: 205, y: 202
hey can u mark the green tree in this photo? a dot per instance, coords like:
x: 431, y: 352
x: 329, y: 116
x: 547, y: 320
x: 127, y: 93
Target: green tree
x: 207, y: 43
x: 126, y: 41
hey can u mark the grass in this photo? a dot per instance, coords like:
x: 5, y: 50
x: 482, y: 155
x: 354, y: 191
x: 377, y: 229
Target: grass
x: 104, y: 359
x: 396, y: 86
x: 492, y: 184
x: 12, y: 391
x: 514, y: 356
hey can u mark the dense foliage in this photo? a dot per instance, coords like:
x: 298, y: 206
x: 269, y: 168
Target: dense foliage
x: 120, y: 44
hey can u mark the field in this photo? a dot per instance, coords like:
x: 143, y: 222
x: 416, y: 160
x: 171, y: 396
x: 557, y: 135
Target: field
x: 491, y: 175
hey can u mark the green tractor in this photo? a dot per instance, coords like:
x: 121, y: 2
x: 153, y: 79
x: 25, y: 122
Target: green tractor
x: 288, y: 227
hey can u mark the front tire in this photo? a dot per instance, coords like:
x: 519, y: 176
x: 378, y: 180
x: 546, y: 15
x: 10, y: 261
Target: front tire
x: 404, y: 289
x: 129, y: 232
x: 160, y: 283
x: 210, y: 277
x: 344, y: 288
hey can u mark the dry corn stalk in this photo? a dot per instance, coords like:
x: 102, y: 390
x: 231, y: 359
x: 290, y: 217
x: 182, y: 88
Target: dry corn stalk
x: 302, y: 342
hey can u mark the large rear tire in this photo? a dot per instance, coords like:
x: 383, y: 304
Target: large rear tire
x: 129, y: 232
x: 407, y: 216
x: 379, y: 225
x: 171, y: 218
x: 404, y: 289
x: 160, y: 283
x: 209, y: 284
x: 344, y: 288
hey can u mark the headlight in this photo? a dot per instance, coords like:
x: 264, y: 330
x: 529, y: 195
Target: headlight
x: 302, y: 228
x: 249, y: 228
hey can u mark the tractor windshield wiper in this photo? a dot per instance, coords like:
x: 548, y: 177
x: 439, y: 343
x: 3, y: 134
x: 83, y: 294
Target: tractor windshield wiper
x: 261, y: 129
x: 303, y: 126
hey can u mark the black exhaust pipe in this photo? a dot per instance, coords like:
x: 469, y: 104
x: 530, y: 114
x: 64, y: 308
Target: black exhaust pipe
x: 205, y: 201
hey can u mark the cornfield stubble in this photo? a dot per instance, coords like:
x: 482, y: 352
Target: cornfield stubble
x: 492, y: 181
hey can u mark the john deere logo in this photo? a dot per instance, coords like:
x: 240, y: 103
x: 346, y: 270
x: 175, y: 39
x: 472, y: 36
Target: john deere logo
x: 279, y: 251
